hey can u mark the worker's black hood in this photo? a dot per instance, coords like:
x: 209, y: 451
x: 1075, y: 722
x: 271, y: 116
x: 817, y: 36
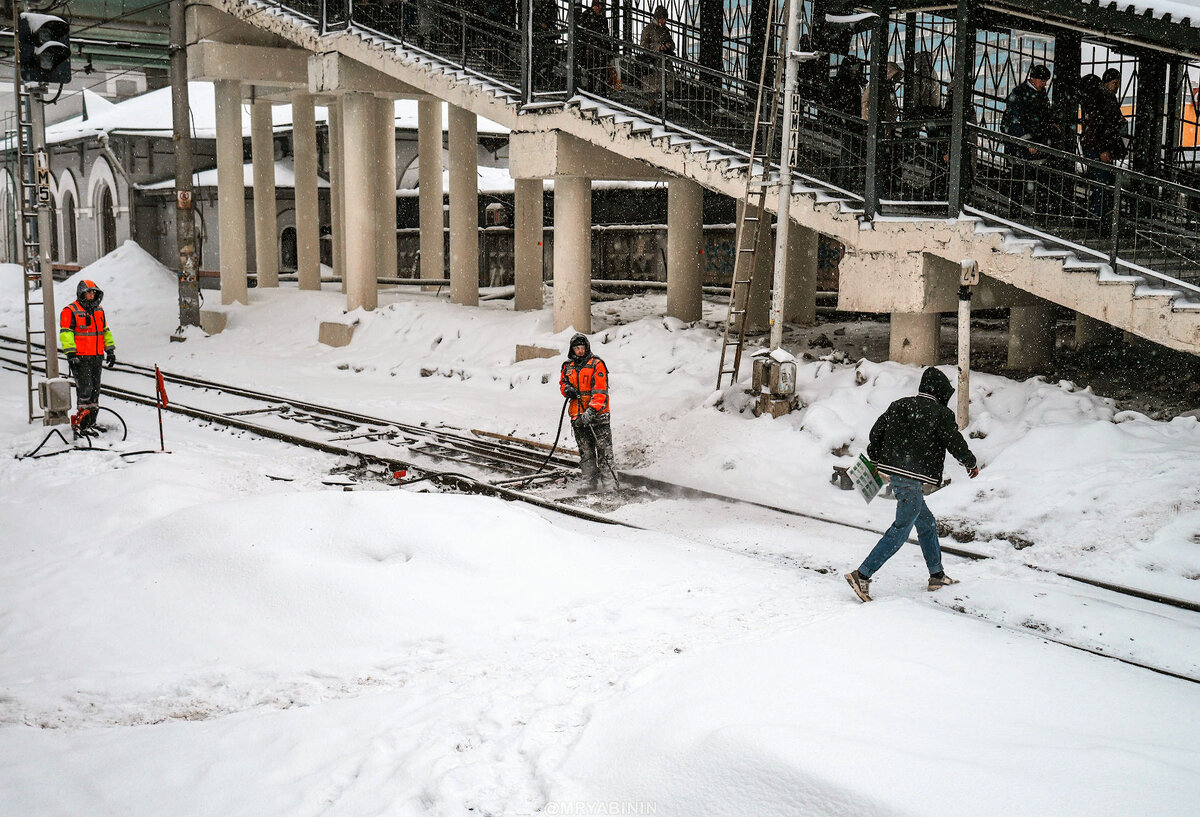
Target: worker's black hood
x: 84, y: 287
x: 936, y: 385
x: 575, y: 341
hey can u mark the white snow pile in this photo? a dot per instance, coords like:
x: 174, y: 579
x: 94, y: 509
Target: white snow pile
x: 881, y: 711
x: 215, y: 631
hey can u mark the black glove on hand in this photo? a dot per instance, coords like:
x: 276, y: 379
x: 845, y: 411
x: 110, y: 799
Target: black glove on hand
x: 588, y: 417
x: 571, y: 392
x: 110, y: 358
x: 71, y: 362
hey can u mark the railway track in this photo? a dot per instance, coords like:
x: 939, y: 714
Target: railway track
x: 489, y: 465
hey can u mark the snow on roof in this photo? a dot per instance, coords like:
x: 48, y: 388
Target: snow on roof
x: 149, y: 114
x: 493, y: 180
x: 285, y: 176
x: 1177, y: 9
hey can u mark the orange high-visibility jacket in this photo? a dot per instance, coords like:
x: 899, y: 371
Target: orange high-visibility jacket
x: 84, y: 332
x: 591, y: 378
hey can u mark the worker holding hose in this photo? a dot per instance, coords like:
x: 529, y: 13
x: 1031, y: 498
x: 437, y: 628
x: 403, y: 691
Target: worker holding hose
x: 584, y: 382
x: 87, y: 342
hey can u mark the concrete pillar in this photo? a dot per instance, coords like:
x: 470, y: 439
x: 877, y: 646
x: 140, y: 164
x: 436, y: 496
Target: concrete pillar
x: 385, y: 189
x: 358, y: 127
x: 758, y: 310
x: 308, y: 223
x: 527, y: 245
x: 1090, y: 330
x: 337, y: 198
x: 685, y: 249
x: 915, y: 337
x: 1030, y: 337
x: 800, y: 304
x: 262, y: 153
x: 231, y: 191
x: 573, y: 253
x: 429, y: 185
x: 464, y: 207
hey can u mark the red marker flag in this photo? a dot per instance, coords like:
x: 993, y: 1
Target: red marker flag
x: 161, y: 388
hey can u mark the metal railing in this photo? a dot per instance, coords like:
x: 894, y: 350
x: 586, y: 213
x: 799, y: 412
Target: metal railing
x: 1129, y: 218
x: 541, y: 51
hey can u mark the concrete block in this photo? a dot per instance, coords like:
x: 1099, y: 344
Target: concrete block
x: 530, y: 352
x: 335, y: 334
x: 212, y: 322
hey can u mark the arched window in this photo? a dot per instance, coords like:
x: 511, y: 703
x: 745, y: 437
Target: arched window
x: 287, y: 249
x: 54, y: 243
x: 108, y: 221
x: 12, y: 251
x: 70, y: 246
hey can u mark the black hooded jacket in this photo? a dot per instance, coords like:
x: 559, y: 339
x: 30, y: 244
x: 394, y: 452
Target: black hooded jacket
x: 911, y: 438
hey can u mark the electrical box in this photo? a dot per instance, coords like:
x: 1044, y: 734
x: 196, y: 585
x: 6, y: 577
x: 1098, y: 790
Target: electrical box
x: 761, y: 366
x: 55, y: 395
x: 783, y: 378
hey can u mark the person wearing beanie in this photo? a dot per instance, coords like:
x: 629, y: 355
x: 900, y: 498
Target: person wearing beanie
x: 584, y: 382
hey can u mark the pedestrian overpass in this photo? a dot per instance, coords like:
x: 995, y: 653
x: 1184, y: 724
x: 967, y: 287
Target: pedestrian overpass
x: 909, y: 198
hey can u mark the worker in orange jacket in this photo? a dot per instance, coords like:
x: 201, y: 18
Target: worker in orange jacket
x: 87, y: 341
x: 584, y: 382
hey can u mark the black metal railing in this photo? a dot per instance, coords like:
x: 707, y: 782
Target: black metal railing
x: 830, y: 146
x: 914, y: 166
x: 541, y: 51
x: 1115, y: 212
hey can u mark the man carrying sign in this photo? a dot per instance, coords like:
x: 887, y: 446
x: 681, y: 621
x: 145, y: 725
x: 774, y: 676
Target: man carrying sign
x: 909, y: 443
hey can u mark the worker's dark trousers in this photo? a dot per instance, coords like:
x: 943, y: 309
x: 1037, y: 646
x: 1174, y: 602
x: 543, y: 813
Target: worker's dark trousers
x: 595, y: 448
x: 86, y: 369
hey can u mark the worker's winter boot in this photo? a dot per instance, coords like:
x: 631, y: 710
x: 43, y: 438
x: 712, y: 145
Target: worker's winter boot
x: 940, y: 580
x: 861, y: 586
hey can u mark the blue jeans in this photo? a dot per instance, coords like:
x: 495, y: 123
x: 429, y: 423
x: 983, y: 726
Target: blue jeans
x: 1100, y: 197
x: 910, y: 509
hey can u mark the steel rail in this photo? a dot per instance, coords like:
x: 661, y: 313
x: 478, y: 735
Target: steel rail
x: 472, y: 485
x: 663, y: 487
x: 515, y: 454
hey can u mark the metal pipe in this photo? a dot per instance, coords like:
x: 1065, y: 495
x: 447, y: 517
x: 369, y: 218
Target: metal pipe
x: 783, y: 219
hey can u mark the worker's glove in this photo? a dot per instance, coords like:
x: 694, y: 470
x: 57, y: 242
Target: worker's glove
x: 71, y: 363
x: 110, y: 358
x: 588, y: 417
x: 974, y: 472
x: 571, y: 392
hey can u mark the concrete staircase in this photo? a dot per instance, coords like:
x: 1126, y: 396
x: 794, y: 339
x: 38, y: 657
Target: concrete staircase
x: 887, y: 267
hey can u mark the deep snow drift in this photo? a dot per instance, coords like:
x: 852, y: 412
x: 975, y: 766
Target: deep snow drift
x: 182, y: 634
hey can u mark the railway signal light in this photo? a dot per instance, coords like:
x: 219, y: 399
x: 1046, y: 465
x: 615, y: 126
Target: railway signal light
x: 45, y: 43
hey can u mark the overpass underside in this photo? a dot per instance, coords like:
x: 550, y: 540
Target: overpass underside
x: 910, y: 194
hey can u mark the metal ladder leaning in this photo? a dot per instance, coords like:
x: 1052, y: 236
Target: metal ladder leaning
x: 27, y: 236
x: 753, y: 214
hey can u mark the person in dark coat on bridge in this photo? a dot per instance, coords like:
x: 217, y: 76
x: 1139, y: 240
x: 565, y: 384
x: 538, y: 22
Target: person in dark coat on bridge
x: 597, y: 51
x: 1028, y: 116
x: 845, y: 90
x: 1103, y: 139
x: 909, y: 443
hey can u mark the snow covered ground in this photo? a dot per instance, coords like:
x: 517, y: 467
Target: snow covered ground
x: 215, y: 631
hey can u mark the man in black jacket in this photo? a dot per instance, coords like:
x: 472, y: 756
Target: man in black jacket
x: 1029, y: 116
x: 1103, y: 139
x: 909, y: 443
